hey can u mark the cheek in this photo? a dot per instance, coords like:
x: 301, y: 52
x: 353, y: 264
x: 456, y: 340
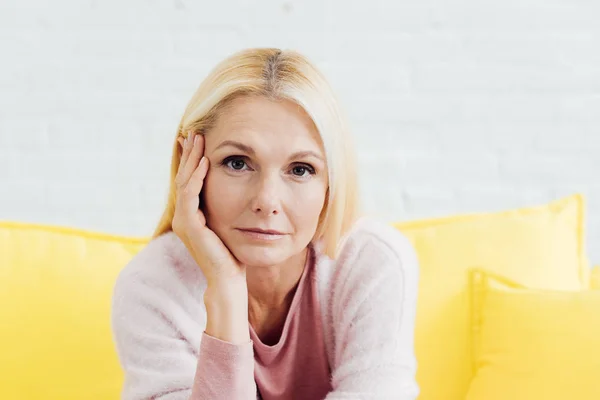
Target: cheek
x: 221, y: 197
x: 308, y: 203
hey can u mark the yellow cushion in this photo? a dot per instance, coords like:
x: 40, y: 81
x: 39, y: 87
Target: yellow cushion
x: 541, y: 246
x: 55, y: 290
x: 595, y: 278
x: 56, y: 339
x: 534, y: 344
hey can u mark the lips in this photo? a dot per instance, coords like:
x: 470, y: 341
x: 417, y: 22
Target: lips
x: 262, y: 235
x: 263, y: 231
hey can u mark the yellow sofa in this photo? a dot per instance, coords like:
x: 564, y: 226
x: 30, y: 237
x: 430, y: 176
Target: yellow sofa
x: 56, y: 285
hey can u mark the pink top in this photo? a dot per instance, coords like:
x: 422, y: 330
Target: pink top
x: 295, y: 367
x: 349, y: 332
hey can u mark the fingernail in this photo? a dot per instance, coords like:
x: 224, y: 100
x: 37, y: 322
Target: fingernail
x: 185, y: 142
x: 203, y: 161
x: 195, y: 139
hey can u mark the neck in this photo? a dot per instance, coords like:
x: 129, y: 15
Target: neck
x: 271, y: 288
x: 270, y: 294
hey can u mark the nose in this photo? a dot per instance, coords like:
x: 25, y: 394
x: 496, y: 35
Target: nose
x: 267, y: 199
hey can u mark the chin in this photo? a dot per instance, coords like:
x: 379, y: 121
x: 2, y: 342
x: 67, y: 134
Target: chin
x: 254, y: 256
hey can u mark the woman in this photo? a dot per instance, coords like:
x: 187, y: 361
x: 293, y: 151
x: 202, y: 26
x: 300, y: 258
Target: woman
x: 260, y: 281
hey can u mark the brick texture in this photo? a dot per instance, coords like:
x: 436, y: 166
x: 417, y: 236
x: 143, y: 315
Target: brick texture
x: 456, y: 106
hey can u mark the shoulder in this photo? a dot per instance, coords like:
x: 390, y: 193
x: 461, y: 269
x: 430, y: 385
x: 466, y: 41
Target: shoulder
x: 372, y: 255
x: 163, y: 268
x: 157, y: 318
x: 369, y: 311
x: 377, y: 245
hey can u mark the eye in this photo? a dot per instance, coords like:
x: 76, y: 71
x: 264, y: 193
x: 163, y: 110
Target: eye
x: 301, y: 170
x: 235, y: 163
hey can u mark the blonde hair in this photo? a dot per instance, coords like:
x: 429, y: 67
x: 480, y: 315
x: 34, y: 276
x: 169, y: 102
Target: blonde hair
x: 278, y: 75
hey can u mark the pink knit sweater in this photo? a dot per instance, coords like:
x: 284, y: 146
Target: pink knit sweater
x: 348, y: 334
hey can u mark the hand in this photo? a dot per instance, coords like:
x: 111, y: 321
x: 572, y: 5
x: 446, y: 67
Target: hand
x: 189, y: 223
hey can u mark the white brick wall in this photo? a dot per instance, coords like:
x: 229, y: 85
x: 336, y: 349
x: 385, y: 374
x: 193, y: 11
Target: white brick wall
x: 457, y: 106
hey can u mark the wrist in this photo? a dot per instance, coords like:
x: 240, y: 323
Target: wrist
x: 225, y: 277
x: 227, y: 313
x: 226, y: 292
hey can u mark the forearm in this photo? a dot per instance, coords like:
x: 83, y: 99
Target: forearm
x: 227, y: 312
x: 226, y: 360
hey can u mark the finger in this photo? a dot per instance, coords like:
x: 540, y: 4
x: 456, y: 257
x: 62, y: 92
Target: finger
x: 196, y: 182
x: 195, y: 155
x: 187, y: 146
x: 181, y: 141
x: 188, y: 200
x: 181, y: 179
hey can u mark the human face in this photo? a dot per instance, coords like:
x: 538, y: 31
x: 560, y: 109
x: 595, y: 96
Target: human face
x: 267, y: 172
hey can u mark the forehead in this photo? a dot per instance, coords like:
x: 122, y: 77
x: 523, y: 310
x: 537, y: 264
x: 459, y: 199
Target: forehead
x: 257, y: 119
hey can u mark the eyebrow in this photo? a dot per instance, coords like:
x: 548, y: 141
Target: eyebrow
x: 249, y: 150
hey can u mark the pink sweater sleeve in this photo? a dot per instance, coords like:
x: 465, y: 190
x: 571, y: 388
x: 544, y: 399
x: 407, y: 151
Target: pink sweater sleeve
x: 224, y: 371
x: 373, y: 310
x: 158, y: 328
